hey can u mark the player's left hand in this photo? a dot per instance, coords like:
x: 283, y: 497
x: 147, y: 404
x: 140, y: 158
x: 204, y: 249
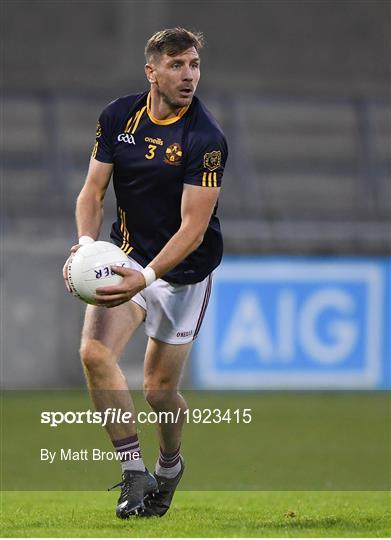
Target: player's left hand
x: 132, y: 283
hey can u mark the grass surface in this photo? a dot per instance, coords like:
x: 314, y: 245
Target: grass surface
x: 201, y: 514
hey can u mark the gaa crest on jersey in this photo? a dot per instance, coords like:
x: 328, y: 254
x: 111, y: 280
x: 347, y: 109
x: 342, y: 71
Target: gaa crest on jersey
x: 212, y: 160
x: 126, y: 138
x: 98, y: 130
x: 173, y: 154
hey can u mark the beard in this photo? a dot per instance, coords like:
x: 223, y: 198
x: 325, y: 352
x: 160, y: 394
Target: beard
x: 173, y: 102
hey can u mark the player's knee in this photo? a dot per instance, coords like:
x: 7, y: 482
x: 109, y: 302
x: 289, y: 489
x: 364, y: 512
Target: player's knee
x: 94, y: 355
x: 158, y: 392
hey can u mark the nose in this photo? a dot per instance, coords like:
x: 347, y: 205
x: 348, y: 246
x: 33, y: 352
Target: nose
x: 187, y: 74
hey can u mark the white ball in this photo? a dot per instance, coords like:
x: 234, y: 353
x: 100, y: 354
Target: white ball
x: 90, y: 268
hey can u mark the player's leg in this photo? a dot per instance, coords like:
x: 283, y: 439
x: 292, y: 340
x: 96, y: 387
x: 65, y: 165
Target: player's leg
x: 104, y: 336
x: 163, y: 368
x: 175, y: 315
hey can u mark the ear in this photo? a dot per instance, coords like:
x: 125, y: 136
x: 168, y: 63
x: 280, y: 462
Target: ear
x: 150, y: 73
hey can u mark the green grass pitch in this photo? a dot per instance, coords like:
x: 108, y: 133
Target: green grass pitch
x: 201, y: 514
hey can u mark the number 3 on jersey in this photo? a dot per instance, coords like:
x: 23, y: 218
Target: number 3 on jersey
x: 151, y: 153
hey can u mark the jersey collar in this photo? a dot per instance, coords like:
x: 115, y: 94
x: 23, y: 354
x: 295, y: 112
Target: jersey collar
x: 168, y: 121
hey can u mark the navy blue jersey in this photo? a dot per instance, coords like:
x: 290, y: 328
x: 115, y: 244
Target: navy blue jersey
x: 152, y: 160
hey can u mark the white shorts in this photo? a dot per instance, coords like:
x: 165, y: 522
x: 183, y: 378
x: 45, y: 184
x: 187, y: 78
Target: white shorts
x: 174, y: 313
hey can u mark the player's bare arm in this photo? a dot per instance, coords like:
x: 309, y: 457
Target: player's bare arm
x: 196, y: 209
x: 89, y: 205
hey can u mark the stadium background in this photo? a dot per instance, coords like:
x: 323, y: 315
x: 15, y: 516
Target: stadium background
x: 301, y: 89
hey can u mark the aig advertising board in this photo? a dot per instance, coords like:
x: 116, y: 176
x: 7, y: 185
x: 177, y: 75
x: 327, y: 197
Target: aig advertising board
x: 317, y: 323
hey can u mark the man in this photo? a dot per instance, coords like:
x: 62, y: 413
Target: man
x: 167, y: 156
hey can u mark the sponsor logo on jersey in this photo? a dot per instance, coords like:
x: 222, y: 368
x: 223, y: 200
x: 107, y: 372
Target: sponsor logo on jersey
x: 173, y: 154
x: 126, y: 137
x: 212, y: 160
x: 154, y: 141
x: 98, y: 130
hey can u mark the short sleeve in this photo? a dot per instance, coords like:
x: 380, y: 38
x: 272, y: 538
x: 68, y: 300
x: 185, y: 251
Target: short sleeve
x: 206, y: 161
x: 103, y: 148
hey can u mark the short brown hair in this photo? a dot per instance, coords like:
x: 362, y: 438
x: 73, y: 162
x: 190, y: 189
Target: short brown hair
x: 172, y: 41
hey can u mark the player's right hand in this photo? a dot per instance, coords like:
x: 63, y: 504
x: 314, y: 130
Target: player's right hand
x: 65, y: 267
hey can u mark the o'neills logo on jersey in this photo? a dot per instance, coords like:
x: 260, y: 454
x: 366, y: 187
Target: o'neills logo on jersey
x: 126, y: 137
x: 173, y: 154
x: 154, y: 141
